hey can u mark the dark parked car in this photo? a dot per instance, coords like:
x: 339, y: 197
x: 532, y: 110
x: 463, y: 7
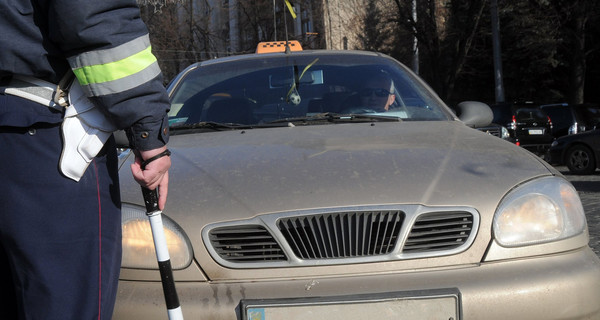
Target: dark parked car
x: 528, y: 126
x: 570, y: 119
x: 579, y: 152
x: 532, y: 129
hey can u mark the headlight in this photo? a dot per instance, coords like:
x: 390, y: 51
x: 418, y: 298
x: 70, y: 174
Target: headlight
x: 505, y: 134
x: 138, y: 244
x: 540, y: 211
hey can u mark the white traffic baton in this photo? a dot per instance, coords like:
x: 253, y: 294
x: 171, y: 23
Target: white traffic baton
x: 162, y: 252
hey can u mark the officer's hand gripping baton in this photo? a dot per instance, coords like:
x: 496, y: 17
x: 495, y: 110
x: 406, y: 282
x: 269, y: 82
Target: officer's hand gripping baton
x: 162, y: 252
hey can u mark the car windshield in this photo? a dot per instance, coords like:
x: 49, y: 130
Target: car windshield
x: 562, y: 116
x: 270, y: 88
x: 531, y: 114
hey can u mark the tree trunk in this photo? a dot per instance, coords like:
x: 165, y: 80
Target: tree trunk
x: 578, y: 63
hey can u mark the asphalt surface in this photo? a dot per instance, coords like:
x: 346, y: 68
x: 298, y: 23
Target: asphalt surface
x: 588, y: 187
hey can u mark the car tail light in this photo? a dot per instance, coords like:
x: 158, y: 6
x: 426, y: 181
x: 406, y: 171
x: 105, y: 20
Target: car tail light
x: 513, y: 124
x: 550, y: 122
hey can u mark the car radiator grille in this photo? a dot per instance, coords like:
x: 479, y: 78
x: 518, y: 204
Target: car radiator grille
x: 340, y: 235
x: 439, y: 231
x: 249, y: 243
x: 277, y: 240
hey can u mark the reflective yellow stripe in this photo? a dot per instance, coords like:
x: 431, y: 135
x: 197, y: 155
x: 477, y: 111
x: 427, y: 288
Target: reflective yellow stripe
x: 115, y: 70
x: 289, y: 5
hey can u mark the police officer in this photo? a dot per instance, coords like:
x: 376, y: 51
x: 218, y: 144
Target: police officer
x: 60, y: 237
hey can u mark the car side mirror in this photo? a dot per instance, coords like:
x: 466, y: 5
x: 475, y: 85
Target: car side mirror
x: 474, y: 114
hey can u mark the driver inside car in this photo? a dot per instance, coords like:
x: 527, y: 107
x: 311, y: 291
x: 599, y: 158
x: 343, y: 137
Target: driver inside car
x: 378, y: 93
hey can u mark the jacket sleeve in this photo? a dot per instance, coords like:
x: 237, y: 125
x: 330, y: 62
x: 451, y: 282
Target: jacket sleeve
x: 108, y: 48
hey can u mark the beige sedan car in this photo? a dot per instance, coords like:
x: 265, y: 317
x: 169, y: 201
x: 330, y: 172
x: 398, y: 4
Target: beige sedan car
x: 301, y: 189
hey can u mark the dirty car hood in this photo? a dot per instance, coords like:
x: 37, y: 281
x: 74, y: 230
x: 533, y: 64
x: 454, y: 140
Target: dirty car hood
x: 222, y: 176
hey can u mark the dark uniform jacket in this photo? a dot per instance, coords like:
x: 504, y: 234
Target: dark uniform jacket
x: 106, y: 45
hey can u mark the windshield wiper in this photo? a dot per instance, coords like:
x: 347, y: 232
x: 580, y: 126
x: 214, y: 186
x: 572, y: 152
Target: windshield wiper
x: 339, y: 118
x: 328, y: 117
x: 218, y: 126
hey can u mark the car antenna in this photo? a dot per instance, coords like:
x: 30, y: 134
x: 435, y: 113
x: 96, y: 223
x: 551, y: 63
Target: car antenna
x: 287, y: 42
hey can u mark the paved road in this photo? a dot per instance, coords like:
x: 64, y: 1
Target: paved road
x: 589, y: 192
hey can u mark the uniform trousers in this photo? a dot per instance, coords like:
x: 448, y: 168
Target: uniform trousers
x: 60, y: 240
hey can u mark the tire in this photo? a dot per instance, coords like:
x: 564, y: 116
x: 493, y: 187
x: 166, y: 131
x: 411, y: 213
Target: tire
x: 580, y: 160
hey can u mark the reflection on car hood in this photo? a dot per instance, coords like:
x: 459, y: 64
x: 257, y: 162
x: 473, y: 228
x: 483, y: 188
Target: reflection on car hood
x: 231, y: 175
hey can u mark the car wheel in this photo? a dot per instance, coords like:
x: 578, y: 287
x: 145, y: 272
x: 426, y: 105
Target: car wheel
x: 580, y: 160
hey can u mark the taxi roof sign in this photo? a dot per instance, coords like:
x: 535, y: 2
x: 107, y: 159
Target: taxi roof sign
x: 278, y: 46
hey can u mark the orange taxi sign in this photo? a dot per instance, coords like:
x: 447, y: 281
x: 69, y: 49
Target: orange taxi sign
x: 278, y: 46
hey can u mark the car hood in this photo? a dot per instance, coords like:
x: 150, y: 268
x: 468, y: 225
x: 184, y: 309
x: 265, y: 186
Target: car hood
x: 232, y: 175
x: 585, y: 135
x: 243, y: 173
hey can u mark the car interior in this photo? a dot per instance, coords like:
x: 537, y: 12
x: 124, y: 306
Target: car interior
x: 265, y: 95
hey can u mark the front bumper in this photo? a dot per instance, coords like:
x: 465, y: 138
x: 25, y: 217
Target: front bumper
x: 560, y: 286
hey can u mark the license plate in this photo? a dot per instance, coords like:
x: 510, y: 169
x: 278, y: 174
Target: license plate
x: 536, y: 131
x: 397, y: 306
